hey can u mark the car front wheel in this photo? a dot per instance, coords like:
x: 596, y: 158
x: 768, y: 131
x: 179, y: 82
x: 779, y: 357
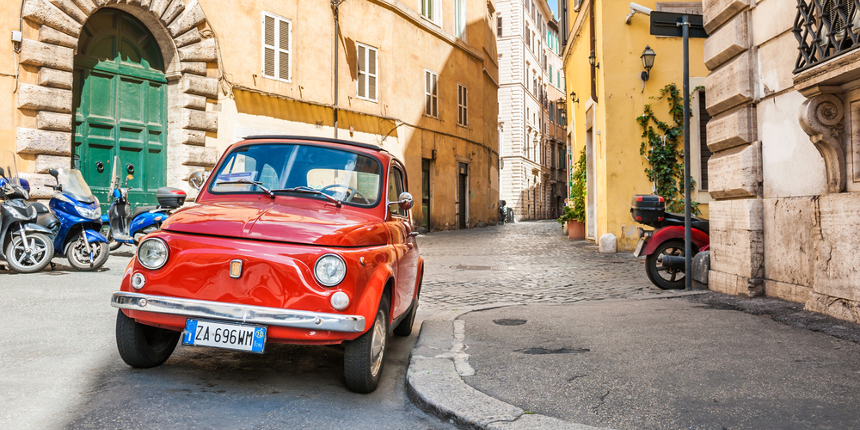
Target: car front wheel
x: 143, y: 346
x: 364, y: 358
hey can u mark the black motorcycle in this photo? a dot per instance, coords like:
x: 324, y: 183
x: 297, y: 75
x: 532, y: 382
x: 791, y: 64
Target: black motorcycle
x: 503, y: 213
x: 27, y: 246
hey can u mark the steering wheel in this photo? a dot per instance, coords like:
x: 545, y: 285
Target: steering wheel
x: 351, y: 196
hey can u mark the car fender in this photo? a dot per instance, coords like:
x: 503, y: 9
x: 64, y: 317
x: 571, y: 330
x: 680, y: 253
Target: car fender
x: 700, y: 239
x: 368, y: 302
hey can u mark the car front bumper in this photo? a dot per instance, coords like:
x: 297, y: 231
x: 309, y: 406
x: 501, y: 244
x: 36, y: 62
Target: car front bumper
x: 237, y: 312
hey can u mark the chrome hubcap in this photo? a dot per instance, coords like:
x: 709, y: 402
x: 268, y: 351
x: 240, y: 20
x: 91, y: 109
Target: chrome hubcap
x: 377, y: 345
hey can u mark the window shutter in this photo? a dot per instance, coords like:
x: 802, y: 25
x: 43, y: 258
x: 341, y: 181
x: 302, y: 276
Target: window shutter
x: 284, y: 53
x: 499, y: 26
x: 465, y: 106
x: 427, y: 100
x: 371, y: 78
x: 269, y: 47
x: 435, y: 92
x: 362, y: 71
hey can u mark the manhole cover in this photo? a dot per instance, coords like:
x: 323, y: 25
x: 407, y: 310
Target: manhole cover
x: 508, y: 321
x: 541, y: 351
x: 495, y: 268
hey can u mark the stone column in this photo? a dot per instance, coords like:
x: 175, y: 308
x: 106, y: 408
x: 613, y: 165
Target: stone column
x: 735, y: 169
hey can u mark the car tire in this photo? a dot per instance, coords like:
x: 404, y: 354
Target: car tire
x: 364, y: 357
x: 143, y: 346
x: 653, y: 271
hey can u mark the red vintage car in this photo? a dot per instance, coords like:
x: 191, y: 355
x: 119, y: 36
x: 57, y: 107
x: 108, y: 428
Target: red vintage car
x: 296, y: 240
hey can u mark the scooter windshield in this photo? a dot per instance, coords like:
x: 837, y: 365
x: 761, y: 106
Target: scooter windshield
x: 10, y: 169
x: 74, y: 185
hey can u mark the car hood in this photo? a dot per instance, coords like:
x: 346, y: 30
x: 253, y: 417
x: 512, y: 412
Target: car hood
x: 272, y: 221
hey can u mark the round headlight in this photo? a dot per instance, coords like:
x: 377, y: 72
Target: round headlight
x: 330, y: 270
x: 152, y: 253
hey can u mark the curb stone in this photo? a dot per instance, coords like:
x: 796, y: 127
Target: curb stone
x: 434, y: 384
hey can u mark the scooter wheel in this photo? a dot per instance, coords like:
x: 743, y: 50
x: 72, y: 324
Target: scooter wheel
x: 79, y: 258
x: 41, y: 252
x: 666, y: 279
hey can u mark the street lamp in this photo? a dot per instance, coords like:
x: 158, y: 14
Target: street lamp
x: 560, y: 104
x: 647, y: 62
x: 573, y: 97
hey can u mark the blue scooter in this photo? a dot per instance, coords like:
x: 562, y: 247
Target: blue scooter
x: 127, y: 227
x: 75, y: 221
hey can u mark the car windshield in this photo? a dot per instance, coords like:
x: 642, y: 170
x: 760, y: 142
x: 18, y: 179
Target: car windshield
x: 305, y: 170
x: 74, y: 185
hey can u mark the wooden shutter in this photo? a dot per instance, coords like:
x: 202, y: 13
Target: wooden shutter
x: 435, y: 92
x: 427, y: 102
x: 499, y: 26
x: 361, y: 91
x: 284, y: 51
x: 371, y: 75
x: 269, y: 46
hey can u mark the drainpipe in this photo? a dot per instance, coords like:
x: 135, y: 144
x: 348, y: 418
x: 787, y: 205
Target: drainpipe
x: 335, y: 5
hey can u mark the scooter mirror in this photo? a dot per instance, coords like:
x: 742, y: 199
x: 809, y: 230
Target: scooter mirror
x: 196, y: 180
x: 2, y: 173
x: 53, y: 173
x: 129, y: 168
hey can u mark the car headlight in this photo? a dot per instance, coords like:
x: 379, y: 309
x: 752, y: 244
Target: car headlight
x: 153, y: 253
x: 330, y: 270
x: 90, y: 213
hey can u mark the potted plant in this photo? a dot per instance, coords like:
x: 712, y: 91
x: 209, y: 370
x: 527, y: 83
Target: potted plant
x: 574, y: 213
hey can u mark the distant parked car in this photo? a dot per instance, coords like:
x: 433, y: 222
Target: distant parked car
x: 292, y: 240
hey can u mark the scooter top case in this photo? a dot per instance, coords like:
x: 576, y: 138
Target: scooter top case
x: 170, y: 198
x: 648, y: 208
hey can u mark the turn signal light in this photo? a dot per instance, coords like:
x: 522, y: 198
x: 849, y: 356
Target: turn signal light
x: 236, y: 269
x: 659, y: 218
x: 639, y: 218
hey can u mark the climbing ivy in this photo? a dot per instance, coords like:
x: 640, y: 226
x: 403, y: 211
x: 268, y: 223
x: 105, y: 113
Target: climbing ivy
x: 660, y: 148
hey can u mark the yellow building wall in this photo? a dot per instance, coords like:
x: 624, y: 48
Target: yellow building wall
x: 621, y: 98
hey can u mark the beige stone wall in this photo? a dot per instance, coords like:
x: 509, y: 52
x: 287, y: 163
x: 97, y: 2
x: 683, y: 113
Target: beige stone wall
x: 784, y: 225
x: 212, y: 49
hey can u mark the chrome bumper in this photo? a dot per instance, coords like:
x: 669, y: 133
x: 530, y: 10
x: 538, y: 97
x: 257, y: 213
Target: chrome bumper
x: 237, y: 312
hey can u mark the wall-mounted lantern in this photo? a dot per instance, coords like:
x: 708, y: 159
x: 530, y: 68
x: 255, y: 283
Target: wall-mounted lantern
x: 647, y: 62
x: 592, y: 60
x: 573, y: 97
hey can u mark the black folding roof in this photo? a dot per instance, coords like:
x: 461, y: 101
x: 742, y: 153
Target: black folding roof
x: 317, y: 139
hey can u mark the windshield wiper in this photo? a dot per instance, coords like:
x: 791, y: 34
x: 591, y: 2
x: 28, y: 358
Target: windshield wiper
x: 245, y: 181
x: 309, y: 190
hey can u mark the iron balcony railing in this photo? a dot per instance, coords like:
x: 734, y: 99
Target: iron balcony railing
x: 825, y: 29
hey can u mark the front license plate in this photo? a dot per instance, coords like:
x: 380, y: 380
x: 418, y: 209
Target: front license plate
x: 217, y: 334
x: 639, y: 247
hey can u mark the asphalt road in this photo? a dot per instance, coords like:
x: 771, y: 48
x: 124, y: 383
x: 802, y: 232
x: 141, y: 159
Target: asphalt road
x: 59, y: 368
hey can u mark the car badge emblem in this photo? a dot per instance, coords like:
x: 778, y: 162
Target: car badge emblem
x: 236, y: 269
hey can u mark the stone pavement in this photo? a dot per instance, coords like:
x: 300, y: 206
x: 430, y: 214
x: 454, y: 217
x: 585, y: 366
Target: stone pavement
x: 522, y: 263
x: 571, y: 360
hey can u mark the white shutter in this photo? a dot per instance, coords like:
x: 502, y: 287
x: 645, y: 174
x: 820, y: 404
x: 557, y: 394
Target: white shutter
x: 276, y: 47
x: 362, y: 72
x: 371, y: 74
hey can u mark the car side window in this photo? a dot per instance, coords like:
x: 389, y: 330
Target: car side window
x: 395, y: 187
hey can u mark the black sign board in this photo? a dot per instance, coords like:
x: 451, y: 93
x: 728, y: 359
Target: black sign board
x: 666, y: 24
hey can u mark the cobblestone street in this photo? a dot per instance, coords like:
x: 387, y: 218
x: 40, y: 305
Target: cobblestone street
x: 521, y: 263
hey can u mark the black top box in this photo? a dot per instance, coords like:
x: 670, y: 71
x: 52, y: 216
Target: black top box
x: 647, y: 208
x: 170, y: 197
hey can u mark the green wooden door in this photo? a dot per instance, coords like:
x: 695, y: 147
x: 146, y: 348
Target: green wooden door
x: 120, y: 106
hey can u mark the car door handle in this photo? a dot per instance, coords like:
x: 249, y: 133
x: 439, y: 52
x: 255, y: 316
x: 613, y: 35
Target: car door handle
x: 413, y: 234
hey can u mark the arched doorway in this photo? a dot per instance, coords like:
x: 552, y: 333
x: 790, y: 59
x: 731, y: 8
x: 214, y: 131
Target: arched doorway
x: 120, y: 105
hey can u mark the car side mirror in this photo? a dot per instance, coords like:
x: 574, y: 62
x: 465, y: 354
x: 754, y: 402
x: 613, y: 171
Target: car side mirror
x: 405, y: 201
x: 53, y: 173
x: 196, y: 180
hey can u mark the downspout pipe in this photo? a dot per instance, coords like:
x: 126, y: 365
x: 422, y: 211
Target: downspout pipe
x: 335, y: 6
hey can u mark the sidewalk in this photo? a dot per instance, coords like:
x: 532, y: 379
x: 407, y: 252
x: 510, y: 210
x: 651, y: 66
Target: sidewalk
x: 690, y: 362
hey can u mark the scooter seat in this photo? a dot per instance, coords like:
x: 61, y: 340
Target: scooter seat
x: 700, y: 224
x: 142, y: 209
x: 40, y: 208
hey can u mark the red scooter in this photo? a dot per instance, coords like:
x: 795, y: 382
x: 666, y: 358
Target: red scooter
x: 664, y: 246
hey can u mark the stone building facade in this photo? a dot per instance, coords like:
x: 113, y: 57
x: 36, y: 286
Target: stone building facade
x: 532, y: 176
x: 785, y: 176
x: 168, y: 85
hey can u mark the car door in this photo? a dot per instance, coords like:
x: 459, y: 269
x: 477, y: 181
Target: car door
x: 403, y: 239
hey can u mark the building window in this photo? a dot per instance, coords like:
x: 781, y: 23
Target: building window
x: 459, y: 17
x: 431, y: 94
x: 431, y: 9
x: 367, y: 72
x: 276, y: 47
x: 550, y: 74
x: 462, y: 105
x: 499, y: 25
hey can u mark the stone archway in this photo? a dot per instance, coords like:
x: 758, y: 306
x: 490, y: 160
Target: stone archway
x: 185, y: 52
